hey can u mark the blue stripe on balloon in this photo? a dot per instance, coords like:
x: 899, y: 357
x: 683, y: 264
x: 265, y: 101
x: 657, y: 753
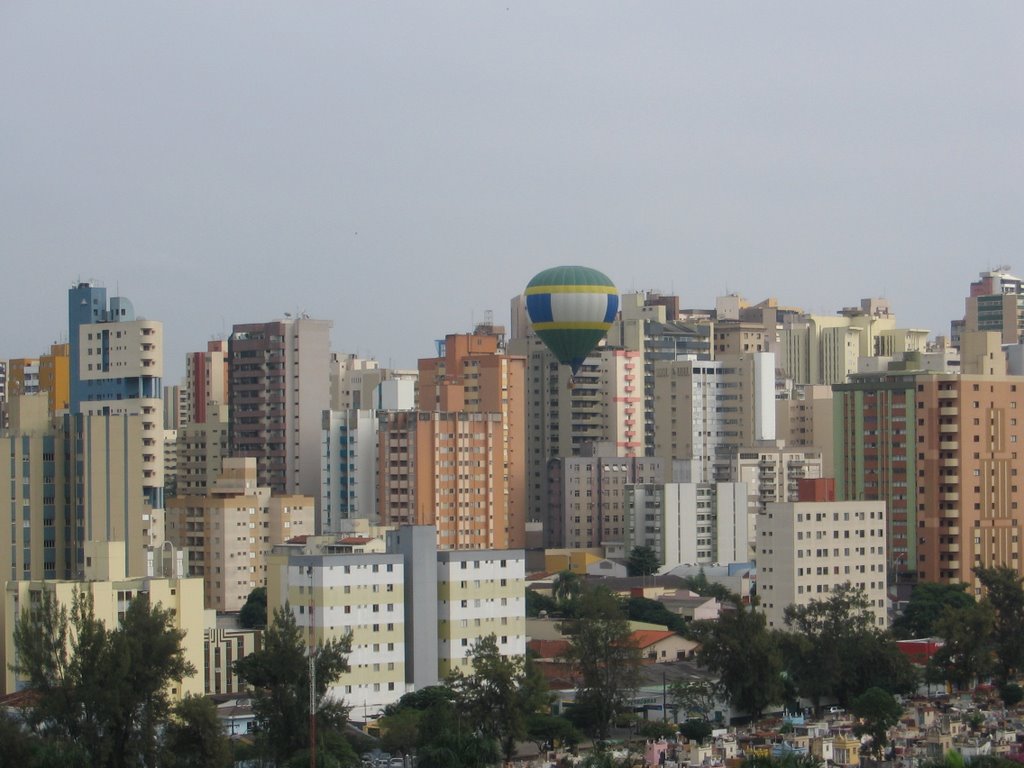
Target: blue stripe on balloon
x: 538, y: 306
x: 613, y: 307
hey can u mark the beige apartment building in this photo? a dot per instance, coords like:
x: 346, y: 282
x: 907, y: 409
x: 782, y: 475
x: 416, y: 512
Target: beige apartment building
x: 206, y: 381
x: 228, y: 533
x: 804, y: 420
x: 201, y: 449
x: 969, y: 457
x: 806, y: 549
x: 105, y: 581
x: 706, y: 410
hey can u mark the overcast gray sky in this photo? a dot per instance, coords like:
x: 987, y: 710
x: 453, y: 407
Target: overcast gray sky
x: 401, y: 168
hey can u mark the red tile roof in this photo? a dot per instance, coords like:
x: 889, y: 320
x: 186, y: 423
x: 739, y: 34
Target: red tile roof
x: 647, y: 637
x: 549, y: 649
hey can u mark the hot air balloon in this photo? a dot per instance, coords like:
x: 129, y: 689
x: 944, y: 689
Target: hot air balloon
x: 571, y: 309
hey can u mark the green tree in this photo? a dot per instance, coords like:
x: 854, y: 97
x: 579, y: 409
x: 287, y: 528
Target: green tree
x: 566, y: 589
x: 536, y: 602
x: 1011, y: 694
x: 696, y: 730
x: 694, y: 698
x: 400, y: 731
x: 103, y: 691
x: 254, y: 613
x: 705, y: 588
x: 654, y: 612
x: 495, y: 695
x: 604, y: 658
x: 422, y: 699
x: 643, y: 561
x: 835, y: 649
x: 194, y: 736
x: 449, y: 740
x: 1004, y: 592
x: 279, y: 673
x: 927, y: 603
x: 543, y: 728
x: 746, y: 657
x: 877, y: 711
x: 658, y: 729
x: 966, y: 653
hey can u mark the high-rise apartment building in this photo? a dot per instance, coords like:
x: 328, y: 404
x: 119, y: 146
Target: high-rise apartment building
x: 229, y: 531
x: 80, y: 480
x: 594, y: 493
x: 876, y: 455
x: 968, y: 475
x: 771, y: 470
x: 23, y: 376
x: 804, y: 420
x: 705, y: 411
x: 996, y: 303
x: 356, y: 383
x: 689, y: 523
x: 38, y: 538
x: 349, y: 471
x: 459, y: 461
x: 825, y: 349
x: 447, y: 470
x: 206, y: 381
x: 116, y: 364
x: 105, y: 582
x: 279, y: 386
x: 649, y: 324
x: 941, y: 449
x: 3, y: 394
x: 201, y: 448
x: 806, y: 549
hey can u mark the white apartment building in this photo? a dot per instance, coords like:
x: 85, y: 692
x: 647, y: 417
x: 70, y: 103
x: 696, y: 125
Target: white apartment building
x: 479, y: 594
x: 414, y: 613
x: 706, y: 410
x: 348, y: 472
x: 806, y: 549
x: 689, y: 523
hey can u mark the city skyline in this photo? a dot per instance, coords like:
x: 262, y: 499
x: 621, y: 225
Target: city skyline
x: 375, y: 164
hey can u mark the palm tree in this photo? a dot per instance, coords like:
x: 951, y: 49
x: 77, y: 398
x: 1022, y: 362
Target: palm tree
x: 567, y: 588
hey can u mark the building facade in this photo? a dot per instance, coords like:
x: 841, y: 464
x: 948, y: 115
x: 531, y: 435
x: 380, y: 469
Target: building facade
x: 279, y: 385
x: 228, y: 532
x: 413, y: 613
x: 806, y: 549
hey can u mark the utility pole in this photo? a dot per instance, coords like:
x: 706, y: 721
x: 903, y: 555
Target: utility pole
x: 312, y: 670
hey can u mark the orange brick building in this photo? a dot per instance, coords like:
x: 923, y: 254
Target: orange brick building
x: 970, y: 443
x: 459, y: 461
